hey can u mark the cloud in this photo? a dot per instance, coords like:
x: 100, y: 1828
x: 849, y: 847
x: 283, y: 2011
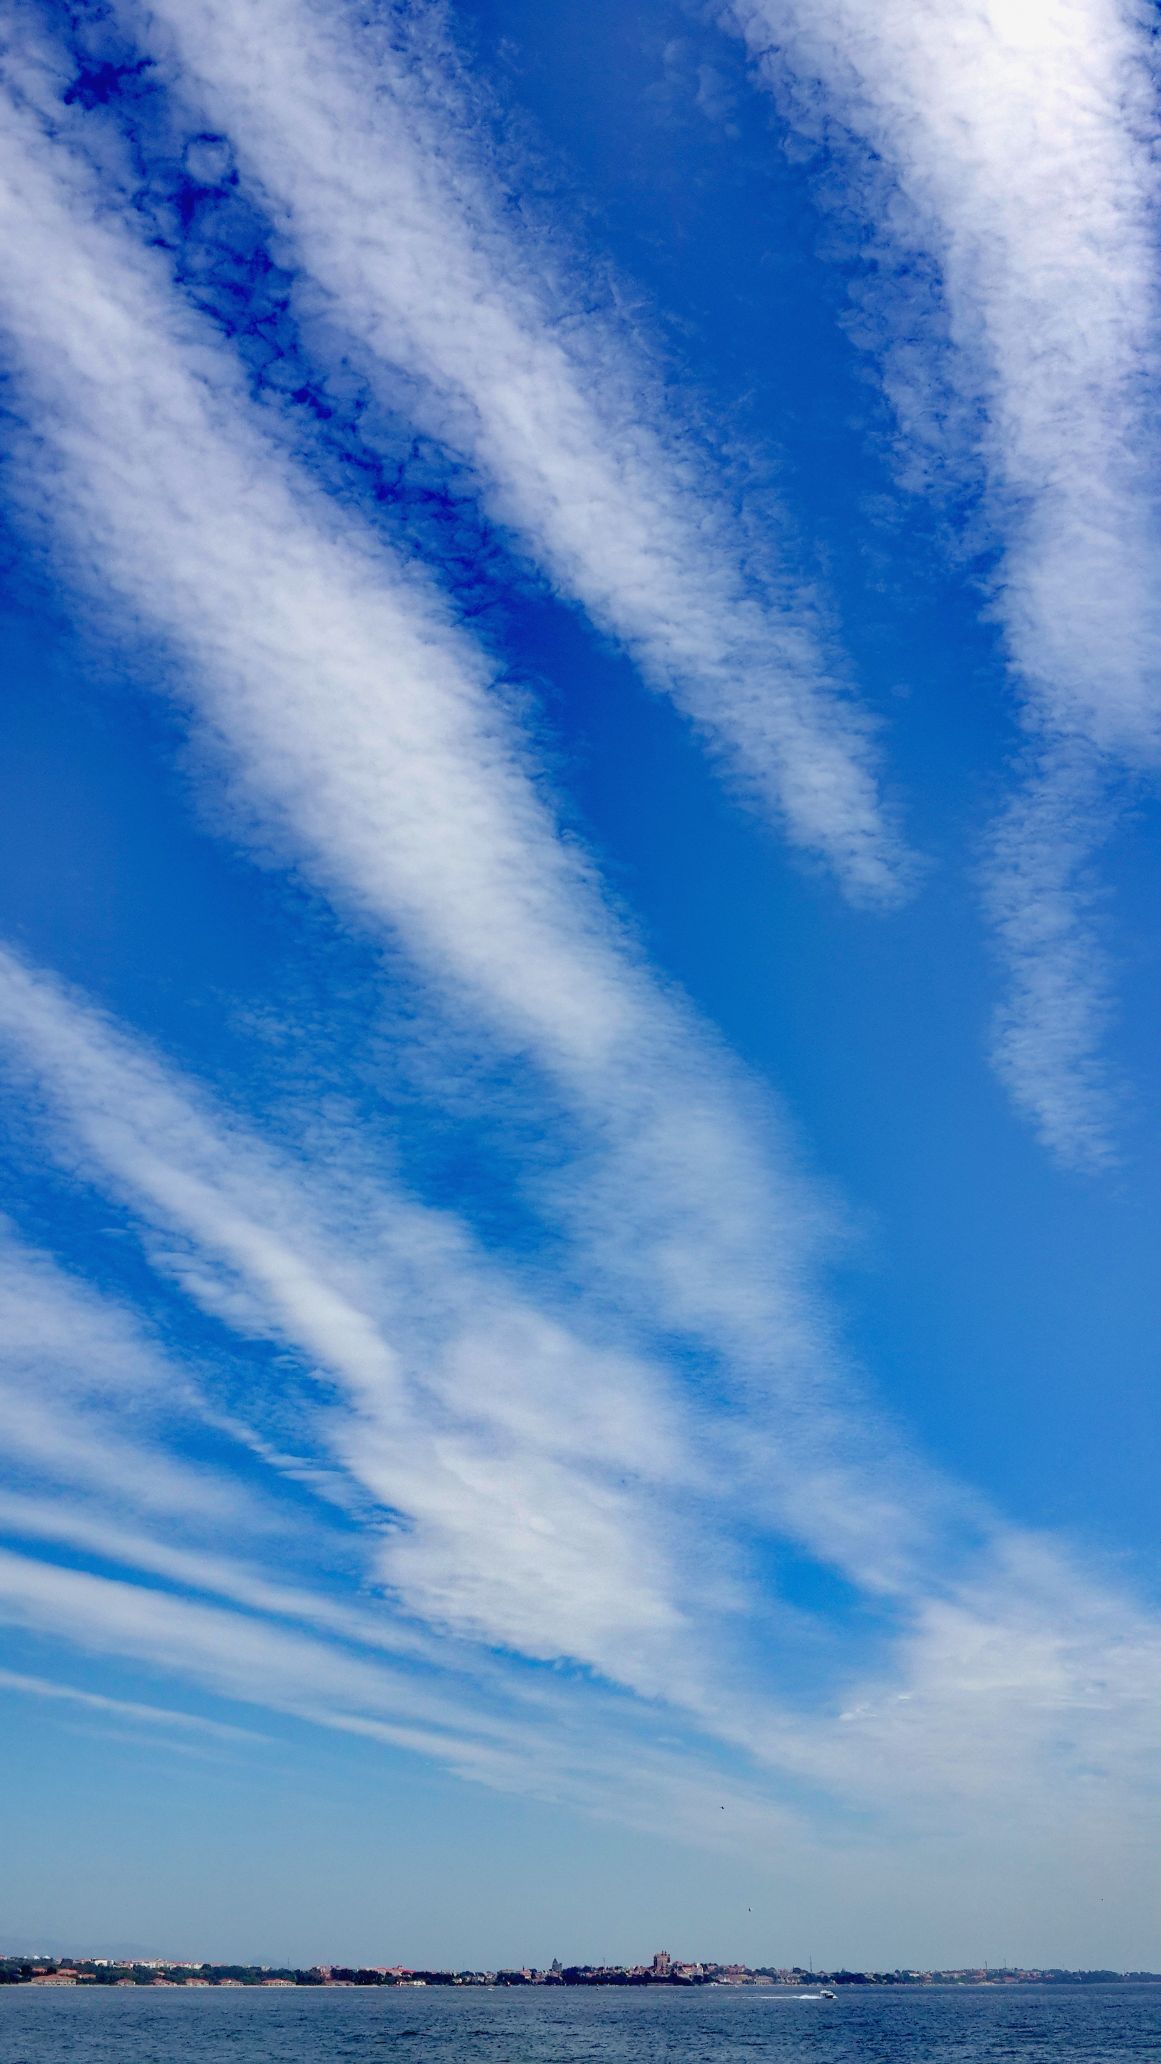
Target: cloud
x: 367, y: 731
x: 998, y: 1682
x: 84, y: 1391
x: 1009, y: 168
x: 504, y: 1529
x: 367, y: 1622
x: 1030, y: 1682
x: 1043, y: 900
x: 575, y: 1748
x: 364, y: 728
x: 238, y: 1656
x: 123, y: 1709
x: 381, y: 178
x: 526, y: 1473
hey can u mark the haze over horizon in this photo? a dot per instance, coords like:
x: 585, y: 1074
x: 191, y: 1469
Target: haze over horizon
x: 578, y: 973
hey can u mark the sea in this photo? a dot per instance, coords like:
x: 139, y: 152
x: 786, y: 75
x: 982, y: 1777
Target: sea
x: 708, y: 2025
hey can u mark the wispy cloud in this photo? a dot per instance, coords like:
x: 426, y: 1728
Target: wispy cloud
x: 239, y: 1656
x: 363, y: 727
x: 384, y: 184
x: 450, y: 1424
x: 1043, y: 899
x: 366, y: 731
x: 91, y: 1530
x: 578, y: 1749
x: 517, y: 1463
x: 1027, y: 1680
x: 84, y: 1391
x: 1010, y: 162
x: 123, y: 1709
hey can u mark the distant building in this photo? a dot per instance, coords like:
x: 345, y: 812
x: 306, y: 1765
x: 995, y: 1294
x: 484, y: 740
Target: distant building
x: 54, y: 1978
x: 661, y: 1963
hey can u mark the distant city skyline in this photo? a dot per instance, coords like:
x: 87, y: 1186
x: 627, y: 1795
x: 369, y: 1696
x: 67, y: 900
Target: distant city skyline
x: 660, y: 1969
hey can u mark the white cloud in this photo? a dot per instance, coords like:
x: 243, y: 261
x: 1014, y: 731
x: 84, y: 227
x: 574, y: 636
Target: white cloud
x: 1021, y: 1704
x: 84, y: 1393
x: 365, y: 728
x: 123, y: 1709
x: 51, y: 1322
x: 384, y: 187
x: 511, y: 1533
x: 356, y: 715
x: 238, y: 1656
x: 572, y: 1745
x: 1042, y: 899
x: 1012, y: 149
x: 366, y: 1622
x: 1028, y: 1683
x: 523, y: 1462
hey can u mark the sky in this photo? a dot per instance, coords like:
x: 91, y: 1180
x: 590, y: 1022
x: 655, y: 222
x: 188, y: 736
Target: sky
x: 578, y: 974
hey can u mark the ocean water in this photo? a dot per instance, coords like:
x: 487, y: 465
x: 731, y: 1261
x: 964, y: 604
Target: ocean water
x: 1096, y: 2026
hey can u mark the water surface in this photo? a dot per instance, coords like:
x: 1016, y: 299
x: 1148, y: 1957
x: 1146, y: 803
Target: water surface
x: 307, y: 2026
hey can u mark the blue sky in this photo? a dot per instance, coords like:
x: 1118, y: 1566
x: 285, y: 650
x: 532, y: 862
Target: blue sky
x: 577, y: 976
